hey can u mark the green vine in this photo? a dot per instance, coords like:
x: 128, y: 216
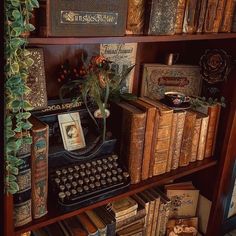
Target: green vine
x: 17, y: 26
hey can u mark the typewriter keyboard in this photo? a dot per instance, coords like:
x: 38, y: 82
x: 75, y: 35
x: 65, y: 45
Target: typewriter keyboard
x: 82, y: 183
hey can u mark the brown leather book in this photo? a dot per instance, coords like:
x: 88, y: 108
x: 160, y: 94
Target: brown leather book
x: 227, y: 19
x: 219, y: 15
x: 186, y: 145
x: 39, y: 166
x: 73, y: 227
x: 162, y: 136
x: 196, y: 136
x: 192, y: 11
x: 233, y: 28
x: 201, y: 17
x: 149, y: 131
x: 178, y: 139
x: 133, y: 230
x: 135, y: 17
x: 211, y: 11
x: 180, y: 16
x: 202, y: 138
x: 132, y: 139
x: 214, y: 114
x: 87, y: 224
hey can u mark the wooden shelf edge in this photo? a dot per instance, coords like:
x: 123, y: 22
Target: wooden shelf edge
x: 54, y: 216
x: 127, y: 39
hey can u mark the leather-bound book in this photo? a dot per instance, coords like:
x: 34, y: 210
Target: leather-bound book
x: 132, y: 139
x: 210, y: 16
x: 201, y: 17
x: 196, y: 136
x: 87, y: 224
x: 39, y: 163
x: 180, y: 16
x: 135, y: 17
x: 177, y: 139
x: 227, y: 19
x: 160, y: 17
x: 149, y: 131
x: 233, y: 28
x: 219, y: 15
x: 202, y: 138
x: 162, y: 136
x: 191, y: 16
x: 186, y: 145
x: 134, y: 230
x: 214, y: 114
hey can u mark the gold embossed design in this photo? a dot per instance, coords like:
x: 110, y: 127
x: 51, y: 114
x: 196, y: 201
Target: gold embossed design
x: 36, y: 80
x: 22, y: 213
x: 24, y: 180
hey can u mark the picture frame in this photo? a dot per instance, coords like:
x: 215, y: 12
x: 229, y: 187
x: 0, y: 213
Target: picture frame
x: 71, y: 131
x: 160, y: 78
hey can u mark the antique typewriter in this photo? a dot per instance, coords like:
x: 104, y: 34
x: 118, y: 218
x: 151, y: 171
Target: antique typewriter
x: 85, y: 182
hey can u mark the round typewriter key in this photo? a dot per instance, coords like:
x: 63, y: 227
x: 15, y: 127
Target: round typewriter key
x: 62, y: 187
x: 119, y: 177
x: 97, y: 177
x: 92, y: 186
x: 109, y: 173
x: 67, y: 194
x: 99, y: 162
x: 110, y: 158
x: 88, y: 164
x: 79, y: 190
x: 109, y: 165
x: 119, y: 170
x: 109, y: 180
x: 104, y: 167
x: 76, y: 168
x: 63, y: 179
x: 76, y: 175
x: 61, y: 196
x: 97, y: 184
x: 68, y: 186
x: 70, y: 170
x: 104, y: 160
x: 88, y: 172
x: 114, y: 172
x: 70, y: 177
x: 82, y: 166
x: 103, y: 182
x: 74, y: 184
x: 86, y: 180
x: 57, y: 180
x: 80, y: 182
x: 82, y: 174
x: 99, y: 169
x: 64, y: 171
x: 115, y: 164
x: 126, y: 174
x: 93, y: 170
x: 92, y: 178
x: 74, y: 192
x: 114, y: 179
x: 86, y: 188
x: 103, y: 175
x: 94, y: 163
x: 114, y: 156
x: 58, y: 173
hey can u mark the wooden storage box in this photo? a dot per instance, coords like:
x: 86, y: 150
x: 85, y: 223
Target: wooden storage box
x: 82, y: 18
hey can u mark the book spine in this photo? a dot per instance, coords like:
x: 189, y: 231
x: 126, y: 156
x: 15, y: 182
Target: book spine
x: 155, y: 216
x: 166, y: 214
x: 135, y: 17
x: 160, y: 219
x: 233, y: 28
x: 201, y: 17
x: 162, y: 143
x: 133, y: 130
x: 210, y: 16
x: 172, y: 141
x: 202, y: 138
x: 150, y: 217
x: 227, y: 19
x: 219, y: 16
x: 178, y: 139
x: 186, y: 145
x: 39, y: 158
x: 196, y: 136
x: 180, y: 16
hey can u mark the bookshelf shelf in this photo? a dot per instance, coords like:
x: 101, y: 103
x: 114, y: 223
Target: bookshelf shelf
x: 128, y: 39
x: 55, y: 215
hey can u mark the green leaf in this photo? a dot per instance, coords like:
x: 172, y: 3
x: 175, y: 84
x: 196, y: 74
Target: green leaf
x: 29, y: 61
x: 9, y: 133
x: 15, y: 3
x: 35, y: 3
x: 17, y: 31
x: 16, y: 104
x: 12, y: 187
x: 15, y: 67
x: 12, y: 169
x: 16, y: 14
x: 14, y: 80
x: 27, y: 106
x: 18, y: 129
x: 29, y: 27
x: 10, y: 178
x: 8, y: 121
x: 27, y: 125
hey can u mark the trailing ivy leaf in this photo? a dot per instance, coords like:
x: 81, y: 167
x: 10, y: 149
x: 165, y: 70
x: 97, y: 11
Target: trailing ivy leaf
x: 14, y: 80
x: 23, y: 115
x: 10, y: 178
x: 15, y: 3
x: 17, y: 42
x: 17, y: 31
x: 9, y: 133
x: 16, y: 14
x: 26, y: 52
x: 29, y: 61
x: 18, y: 143
x: 12, y: 187
x: 29, y: 27
x: 18, y: 129
x: 8, y: 121
x: 12, y: 169
x: 16, y: 104
x: 34, y: 3
x: 27, y: 125
x: 27, y: 106
x: 15, y: 67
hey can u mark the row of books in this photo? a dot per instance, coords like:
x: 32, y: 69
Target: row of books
x: 166, y: 17
x: 151, y: 212
x: 155, y: 139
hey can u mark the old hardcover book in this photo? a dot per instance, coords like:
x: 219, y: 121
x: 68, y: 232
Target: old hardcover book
x: 202, y: 138
x: 39, y: 165
x: 180, y: 16
x: 135, y: 17
x: 149, y: 131
x: 73, y: 227
x: 132, y: 136
x: 186, y: 145
x: 133, y: 230
x: 210, y: 16
x: 162, y: 136
x: 87, y: 224
x: 178, y: 139
x: 177, y: 78
x: 201, y: 17
x: 214, y: 114
x: 191, y: 16
x: 219, y: 16
x: 86, y: 18
x: 187, y: 226
x: 160, y: 17
x: 227, y: 19
x: 102, y: 228
x: 196, y: 137
x: 36, y: 80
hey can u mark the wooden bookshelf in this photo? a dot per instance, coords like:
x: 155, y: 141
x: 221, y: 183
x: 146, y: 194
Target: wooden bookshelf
x: 55, y: 215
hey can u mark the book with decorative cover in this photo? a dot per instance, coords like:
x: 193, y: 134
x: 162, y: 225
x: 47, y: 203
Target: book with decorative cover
x: 180, y: 16
x: 135, y: 17
x: 39, y: 163
x: 160, y: 17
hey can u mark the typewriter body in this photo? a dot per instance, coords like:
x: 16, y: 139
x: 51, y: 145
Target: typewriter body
x: 84, y: 176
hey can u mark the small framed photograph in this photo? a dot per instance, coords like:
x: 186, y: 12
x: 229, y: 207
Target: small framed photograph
x: 71, y: 131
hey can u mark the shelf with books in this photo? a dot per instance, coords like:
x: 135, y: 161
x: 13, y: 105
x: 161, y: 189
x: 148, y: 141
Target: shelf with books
x: 55, y: 215
x: 127, y: 39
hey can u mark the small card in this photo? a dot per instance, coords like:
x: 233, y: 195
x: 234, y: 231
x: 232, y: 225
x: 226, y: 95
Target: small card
x: 71, y: 131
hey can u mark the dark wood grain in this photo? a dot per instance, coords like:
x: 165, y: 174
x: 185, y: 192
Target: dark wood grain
x: 54, y: 215
x: 8, y: 215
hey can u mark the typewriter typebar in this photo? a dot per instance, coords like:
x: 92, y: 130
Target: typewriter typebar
x: 85, y: 182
